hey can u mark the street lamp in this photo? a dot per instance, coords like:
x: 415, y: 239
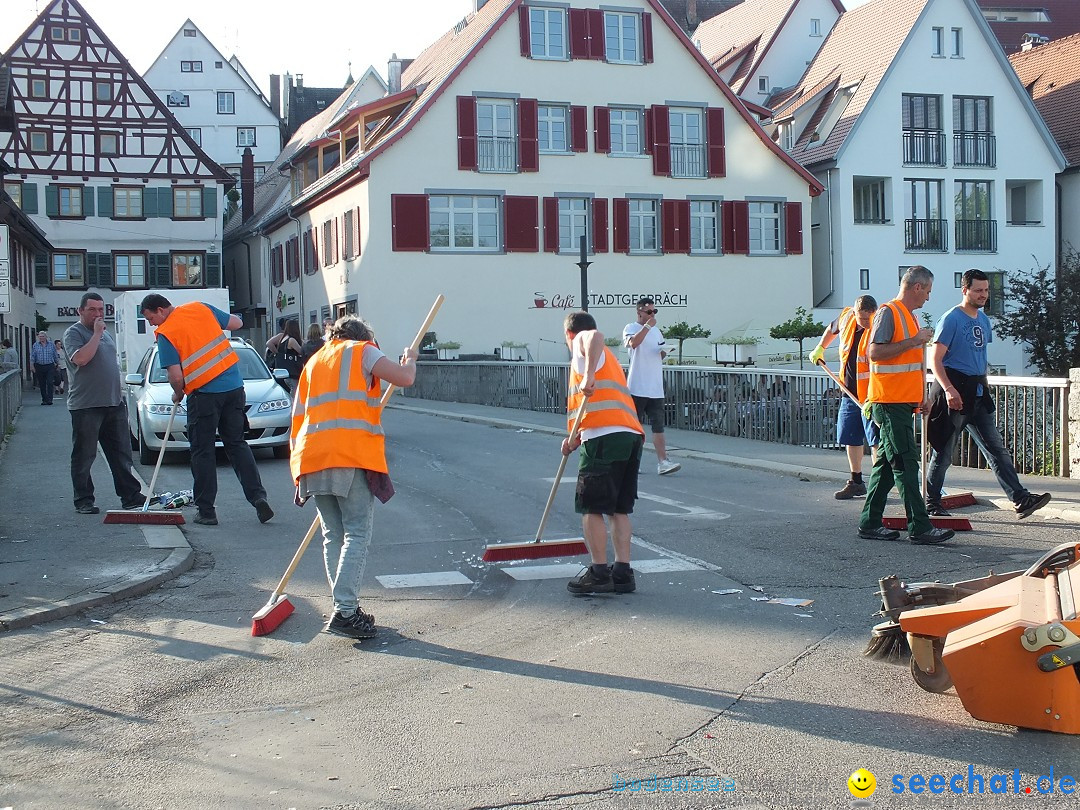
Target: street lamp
x: 584, y: 265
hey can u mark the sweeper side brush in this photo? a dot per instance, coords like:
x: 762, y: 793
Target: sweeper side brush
x: 1009, y: 643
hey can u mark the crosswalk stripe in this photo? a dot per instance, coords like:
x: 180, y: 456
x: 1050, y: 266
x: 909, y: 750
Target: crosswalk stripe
x: 560, y: 570
x: 430, y: 579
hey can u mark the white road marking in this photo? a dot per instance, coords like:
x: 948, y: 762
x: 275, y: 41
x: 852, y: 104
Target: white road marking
x: 563, y: 570
x: 431, y: 579
x: 689, y: 511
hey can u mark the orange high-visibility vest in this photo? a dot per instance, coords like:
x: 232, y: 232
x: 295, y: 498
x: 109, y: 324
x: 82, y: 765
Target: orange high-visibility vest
x: 336, y: 420
x: 901, y: 378
x: 610, y: 405
x: 198, y: 338
x: 848, y: 325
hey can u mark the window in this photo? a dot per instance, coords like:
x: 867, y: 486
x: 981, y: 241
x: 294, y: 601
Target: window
x: 460, y: 222
x: 547, y: 33
x: 129, y: 269
x: 1023, y: 202
x: 957, y: 43
x: 109, y: 143
x: 815, y: 27
x: 622, y: 37
x: 127, y: 202
x: 14, y: 190
x: 191, y: 67
x: 39, y: 140
x: 68, y: 269
x: 495, y: 136
x: 703, y: 226
x: 938, y: 42
x: 763, y: 84
x: 687, y: 142
x: 70, y: 199
x: 786, y: 135
x: 218, y: 65
x: 74, y: 35
x: 259, y: 172
x: 625, y: 131
x: 178, y: 100
x: 187, y: 203
x: 189, y: 32
x: 57, y: 33
x: 870, y: 197
x: 924, y: 227
x: 573, y: 223
x: 39, y: 88
x: 864, y: 278
x: 187, y: 270
x: 924, y: 139
x: 103, y: 91
x: 643, y: 226
x: 976, y: 229
x: 196, y: 135
x: 226, y: 103
x: 552, y: 128
x: 973, y: 141
x: 764, y: 227
x: 245, y: 136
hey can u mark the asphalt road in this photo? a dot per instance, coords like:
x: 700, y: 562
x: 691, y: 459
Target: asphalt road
x: 501, y: 690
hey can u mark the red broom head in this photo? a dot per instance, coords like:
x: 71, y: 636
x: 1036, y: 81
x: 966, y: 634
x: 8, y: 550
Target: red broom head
x: 508, y: 552
x: 147, y: 518
x: 271, y: 616
x: 958, y: 501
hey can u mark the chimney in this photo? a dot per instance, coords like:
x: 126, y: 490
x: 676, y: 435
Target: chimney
x: 393, y: 74
x: 247, y: 185
x: 299, y: 84
x: 286, y: 98
x: 275, y: 94
x: 691, y: 14
x: 1032, y: 40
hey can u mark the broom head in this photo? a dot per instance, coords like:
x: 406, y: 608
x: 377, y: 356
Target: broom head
x: 957, y: 524
x: 958, y: 500
x: 270, y: 617
x: 534, y: 550
x: 888, y: 643
x: 145, y: 517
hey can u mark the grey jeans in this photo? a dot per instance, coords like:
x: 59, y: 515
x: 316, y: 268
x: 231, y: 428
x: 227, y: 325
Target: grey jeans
x: 346, y: 528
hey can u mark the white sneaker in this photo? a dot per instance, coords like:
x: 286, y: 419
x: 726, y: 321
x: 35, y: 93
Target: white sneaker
x: 667, y: 467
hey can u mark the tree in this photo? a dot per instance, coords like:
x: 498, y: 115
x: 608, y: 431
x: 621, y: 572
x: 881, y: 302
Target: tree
x: 1044, y: 315
x: 799, y: 328
x: 682, y: 331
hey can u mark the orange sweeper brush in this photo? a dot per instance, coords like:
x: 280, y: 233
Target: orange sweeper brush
x: 144, y: 515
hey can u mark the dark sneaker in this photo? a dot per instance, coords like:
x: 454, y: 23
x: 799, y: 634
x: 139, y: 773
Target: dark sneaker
x: 358, y: 625
x: 87, y: 509
x: 1031, y: 504
x: 880, y: 533
x: 935, y: 509
x: 850, y: 490
x: 588, y: 582
x: 263, y: 510
x: 206, y: 519
x: 932, y: 537
x: 623, y: 583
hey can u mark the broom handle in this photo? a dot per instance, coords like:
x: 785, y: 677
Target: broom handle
x: 160, y: 456
x: 922, y: 429
x: 839, y: 382
x: 416, y: 341
x: 562, y: 466
x: 280, y: 589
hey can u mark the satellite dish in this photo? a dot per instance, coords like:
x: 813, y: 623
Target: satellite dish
x: 176, y: 97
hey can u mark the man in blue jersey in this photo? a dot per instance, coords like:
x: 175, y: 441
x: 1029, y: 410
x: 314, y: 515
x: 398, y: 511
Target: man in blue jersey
x: 962, y: 401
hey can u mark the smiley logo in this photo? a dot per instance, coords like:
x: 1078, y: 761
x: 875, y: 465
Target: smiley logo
x: 862, y: 784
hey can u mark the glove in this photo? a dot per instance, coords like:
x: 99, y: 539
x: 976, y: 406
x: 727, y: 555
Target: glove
x: 817, y: 354
x: 866, y: 409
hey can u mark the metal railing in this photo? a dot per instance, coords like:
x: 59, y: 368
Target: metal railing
x: 930, y: 235
x: 496, y: 154
x: 974, y: 149
x: 924, y: 147
x: 11, y: 392
x: 787, y: 407
x: 978, y: 235
x: 687, y: 160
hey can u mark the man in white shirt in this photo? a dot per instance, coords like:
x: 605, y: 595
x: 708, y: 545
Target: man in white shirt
x: 647, y: 351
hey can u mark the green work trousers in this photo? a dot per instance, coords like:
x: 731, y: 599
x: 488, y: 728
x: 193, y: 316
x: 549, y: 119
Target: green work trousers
x: 897, y: 462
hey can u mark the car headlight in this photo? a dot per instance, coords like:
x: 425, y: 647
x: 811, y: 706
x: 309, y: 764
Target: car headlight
x: 275, y: 405
x: 165, y: 410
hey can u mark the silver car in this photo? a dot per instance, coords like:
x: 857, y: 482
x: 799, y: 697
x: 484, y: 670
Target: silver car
x: 149, y: 401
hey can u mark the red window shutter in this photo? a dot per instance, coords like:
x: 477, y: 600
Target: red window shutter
x: 675, y: 216
x: 601, y: 130
x: 337, y: 239
x: 523, y: 30
x: 409, y: 222
x: 314, y: 251
x: 648, y: 144
x: 740, y: 226
x: 579, y: 129
x: 528, y: 135
x: 466, y: 123
x: 646, y: 37
x: 596, y: 33
x: 793, y: 228
x: 521, y: 225
x: 620, y: 230
x: 579, y: 34
x: 714, y: 131
x: 661, y: 140
x: 356, y: 232
x: 599, y: 225
x: 551, y: 225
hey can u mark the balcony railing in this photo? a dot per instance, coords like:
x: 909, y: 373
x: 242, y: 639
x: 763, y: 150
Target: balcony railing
x: 974, y: 149
x: 930, y: 235
x: 977, y: 235
x: 687, y: 160
x: 496, y: 154
x: 924, y: 147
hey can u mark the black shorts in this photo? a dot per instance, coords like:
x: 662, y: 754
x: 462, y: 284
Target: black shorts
x: 653, y: 408
x: 608, y: 473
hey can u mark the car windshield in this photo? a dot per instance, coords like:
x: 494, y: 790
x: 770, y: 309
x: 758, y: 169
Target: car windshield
x: 251, y: 366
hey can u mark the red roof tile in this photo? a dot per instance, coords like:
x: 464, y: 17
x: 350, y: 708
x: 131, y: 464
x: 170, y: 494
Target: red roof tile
x: 1051, y: 73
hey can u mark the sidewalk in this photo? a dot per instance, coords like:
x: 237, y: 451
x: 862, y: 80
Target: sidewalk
x: 54, y: 562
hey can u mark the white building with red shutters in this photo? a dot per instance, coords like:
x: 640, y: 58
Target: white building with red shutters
x: 525, y: 128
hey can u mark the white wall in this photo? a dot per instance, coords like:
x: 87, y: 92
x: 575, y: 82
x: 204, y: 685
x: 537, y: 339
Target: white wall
x: 793, y: 49
x: 1069, y: 205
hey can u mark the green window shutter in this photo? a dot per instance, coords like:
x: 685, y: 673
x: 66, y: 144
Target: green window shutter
x: 52, y: 201
x: 104, y: 202
x: 90, y: 274
x: 209, y: 201
x: 164, y: 202
x: 159, y: 270
x: 213, y: 269
x: 149, y: 202
x: 105, y: 269
x: 29, y: 198
x: 87, y: 202
x: 42, y: 272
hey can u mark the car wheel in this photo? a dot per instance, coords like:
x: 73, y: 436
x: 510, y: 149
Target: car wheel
x: 281, y: 451
x: 146, y: 455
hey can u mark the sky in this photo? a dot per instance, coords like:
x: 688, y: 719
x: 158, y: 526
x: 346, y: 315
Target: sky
x: 268, y: 36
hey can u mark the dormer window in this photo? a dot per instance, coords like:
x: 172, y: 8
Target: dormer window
x: 189, y: 32
x: 763, y: 84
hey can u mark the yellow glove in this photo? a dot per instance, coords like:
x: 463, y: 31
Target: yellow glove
x: 817, y: 354
x: 866, y: 409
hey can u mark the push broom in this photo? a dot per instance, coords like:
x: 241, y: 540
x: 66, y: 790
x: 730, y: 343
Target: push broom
x: 538, y: 549
x: 279, y: 608
x: 144, y: 515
